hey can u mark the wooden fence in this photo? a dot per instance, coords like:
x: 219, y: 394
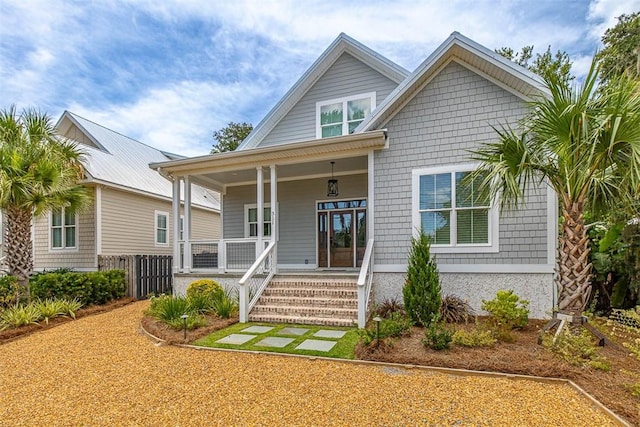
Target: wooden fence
x: 144, y: 274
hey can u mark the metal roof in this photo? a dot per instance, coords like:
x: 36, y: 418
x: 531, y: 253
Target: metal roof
x: 116, y: 160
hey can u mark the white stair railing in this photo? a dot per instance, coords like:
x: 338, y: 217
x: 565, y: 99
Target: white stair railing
x: 255, y: 280
x: 364, y: 284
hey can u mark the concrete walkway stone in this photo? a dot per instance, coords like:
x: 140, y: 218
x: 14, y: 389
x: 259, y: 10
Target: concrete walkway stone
x: 257, y: 329
x: 327, y: 333
x: 316, y: 345
x: 293, y: 331
x: 277, y: 342
x: 236, y: 339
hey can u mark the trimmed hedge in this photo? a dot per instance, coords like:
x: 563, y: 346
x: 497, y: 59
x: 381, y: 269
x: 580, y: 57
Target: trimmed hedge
x: 96, y: 287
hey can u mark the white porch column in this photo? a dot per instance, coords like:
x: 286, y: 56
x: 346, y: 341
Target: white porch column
x: 370, y: 196
x: 175, y: 213
x: 222, y: 254
x: 260, y: 209
x: 275, y: 219
x: 186, y: 232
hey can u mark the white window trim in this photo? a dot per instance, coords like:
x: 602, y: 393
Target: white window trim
x: 246, y: 219
x: 73, y: 248
x: 155, y: 228
x: 494, y: 214
x: 343, y: 100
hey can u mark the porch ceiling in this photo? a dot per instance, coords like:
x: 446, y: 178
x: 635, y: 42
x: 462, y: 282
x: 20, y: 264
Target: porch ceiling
x: 294, y: 160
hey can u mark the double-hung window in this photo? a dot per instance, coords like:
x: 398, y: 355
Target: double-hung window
x: 450, y: 209
x: 63, y: 229
x: 162, y: 228
x: 251, y: 221
x: 342, y: 116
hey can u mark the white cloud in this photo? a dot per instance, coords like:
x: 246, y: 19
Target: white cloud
x: 603, y: 14
x: 179, y: 118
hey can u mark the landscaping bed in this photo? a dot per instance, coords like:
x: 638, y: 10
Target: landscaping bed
x: 11, y: 334
x: 523, y: 356
x: 170, y: 335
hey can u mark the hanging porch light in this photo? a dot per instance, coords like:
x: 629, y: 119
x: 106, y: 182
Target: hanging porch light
x: 332, y: 185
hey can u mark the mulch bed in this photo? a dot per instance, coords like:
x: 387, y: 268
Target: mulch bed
x: 524, y: 356
x: 14, y: 333
x: 173, y: 336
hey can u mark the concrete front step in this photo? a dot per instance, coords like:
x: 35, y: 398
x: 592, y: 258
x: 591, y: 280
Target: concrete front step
x: 306, y: 311
x: 316, y: 285
x: 350, y: 303
x: 323, y: 321
x: 309, y: 292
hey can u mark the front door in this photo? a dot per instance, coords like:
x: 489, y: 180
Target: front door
x: 341, y: 239
x: 342, y: 228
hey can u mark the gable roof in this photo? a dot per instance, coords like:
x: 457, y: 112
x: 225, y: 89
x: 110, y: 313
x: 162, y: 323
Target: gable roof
x: 493, y: 66
x: 116, y: 160
x: 342, y: 44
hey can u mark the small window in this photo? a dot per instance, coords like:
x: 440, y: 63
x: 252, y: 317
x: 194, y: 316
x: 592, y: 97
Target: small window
x: 181, y: 228
x: 453, y: 212
x: 162, y: 231
x: 342, y: 116
x: 63, y: 229
x: 251, y: 222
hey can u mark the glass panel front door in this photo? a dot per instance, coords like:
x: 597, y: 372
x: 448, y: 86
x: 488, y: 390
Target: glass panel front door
x: 341, y: 239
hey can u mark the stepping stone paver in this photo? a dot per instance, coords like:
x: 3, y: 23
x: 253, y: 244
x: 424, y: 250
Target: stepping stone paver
x: 326, y: 333
x: 317, y: 345
x: 236, y: 339
x: 293, y: 331
x: 257, y: 329
x: 274, y: 342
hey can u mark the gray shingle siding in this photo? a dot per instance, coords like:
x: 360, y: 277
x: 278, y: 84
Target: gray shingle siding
x: 347, y: 76
x: 450, y: 116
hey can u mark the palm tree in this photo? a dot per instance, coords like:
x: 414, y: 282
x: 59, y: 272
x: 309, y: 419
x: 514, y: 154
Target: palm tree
x: 582, y: 141
x: 38, y: 172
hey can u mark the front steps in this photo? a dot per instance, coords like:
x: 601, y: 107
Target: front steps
x: 328, y: 300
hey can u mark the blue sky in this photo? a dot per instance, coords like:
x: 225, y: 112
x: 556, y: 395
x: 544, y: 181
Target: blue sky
x: 169, y: 72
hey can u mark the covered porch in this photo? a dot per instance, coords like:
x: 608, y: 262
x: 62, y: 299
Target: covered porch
x: 300, y: 207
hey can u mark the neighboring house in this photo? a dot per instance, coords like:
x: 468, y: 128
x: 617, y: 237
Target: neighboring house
x: 360, y: 152
x: 130, y: 213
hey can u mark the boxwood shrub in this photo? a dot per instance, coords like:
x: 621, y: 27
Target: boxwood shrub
x: 96, y: 287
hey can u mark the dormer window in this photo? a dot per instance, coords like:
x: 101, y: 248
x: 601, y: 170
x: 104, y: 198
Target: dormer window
x: 342, y: 116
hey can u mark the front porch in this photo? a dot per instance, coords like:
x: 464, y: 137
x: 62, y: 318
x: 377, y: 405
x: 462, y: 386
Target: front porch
x: 304, y: 207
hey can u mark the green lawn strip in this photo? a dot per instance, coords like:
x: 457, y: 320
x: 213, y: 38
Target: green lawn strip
x: 344, y: 348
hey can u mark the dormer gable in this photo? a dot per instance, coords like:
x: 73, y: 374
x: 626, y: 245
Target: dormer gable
x: 69, y: 128
x: 346, y: 69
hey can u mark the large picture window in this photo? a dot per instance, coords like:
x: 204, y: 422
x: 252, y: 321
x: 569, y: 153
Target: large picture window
x: 451, y: 210
x: 342, y: 116
x: 63, y: 229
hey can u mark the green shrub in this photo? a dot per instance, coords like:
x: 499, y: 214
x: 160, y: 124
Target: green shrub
x: 71, y: 306
x: 200, y: 303
x: 19, y: 315
x: 169, y: 310
x: 506, y: 312
x: 224, y: 304
x: 98, y: 287
x: 50, y: 308
x: 455, y: 310
x: 421, y: 291
x: 397, y: 325
x: 388, y: 307
x: 437, y: 336
x: 577, y: 350
x: 206, y: 287
x: 9, y: 291
x: 474, y: 338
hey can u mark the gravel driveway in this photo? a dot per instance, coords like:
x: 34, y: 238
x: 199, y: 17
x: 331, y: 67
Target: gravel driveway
x: 99, y: 371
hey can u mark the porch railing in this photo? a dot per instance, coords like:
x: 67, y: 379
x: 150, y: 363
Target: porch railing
x: 229, y: 255
x: 255, y: 280
x: 364, y: 284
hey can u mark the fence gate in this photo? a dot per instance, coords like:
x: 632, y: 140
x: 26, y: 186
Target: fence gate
x: 153, y: 275
x: 145, y: 274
